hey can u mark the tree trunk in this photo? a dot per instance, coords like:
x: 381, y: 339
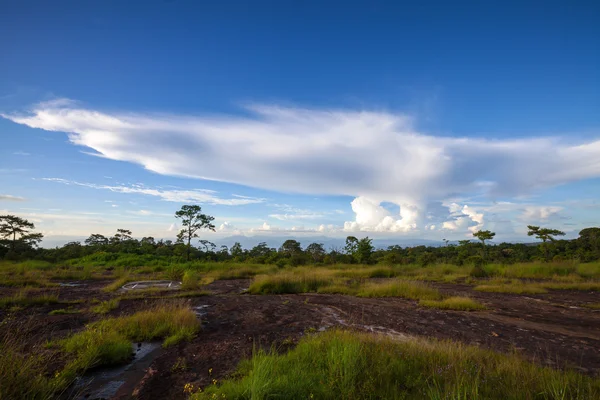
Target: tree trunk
x: 188, y: 246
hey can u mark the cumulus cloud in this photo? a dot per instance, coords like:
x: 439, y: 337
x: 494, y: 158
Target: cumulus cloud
x: 179, y: 196
x: 464, y: 218
x: 8, y: 197
x: 371, y: 216
x: 374, y: 156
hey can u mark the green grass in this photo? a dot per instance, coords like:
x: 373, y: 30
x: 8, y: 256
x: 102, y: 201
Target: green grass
x: 339, y: 364
x: 109, y: 341
x: 453, y: 303
x: 593, y: 306
x: 406, y: 289
x: 116, y: 285
x: 515, y: 287
x: 585, y: 286
x: 299, y: 281
x: 20, y: 374
x: 64, y: 311
x: 105, y: 307
x: 23, y: 299
x: 191, y: 280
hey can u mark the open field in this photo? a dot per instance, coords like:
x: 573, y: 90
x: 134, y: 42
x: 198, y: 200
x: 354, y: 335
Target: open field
x: 541, y: 327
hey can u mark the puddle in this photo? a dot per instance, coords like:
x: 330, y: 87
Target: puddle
x: 201, y: 312
x: 103, y: 383
x: 71, y: 284
x: 141, y: 285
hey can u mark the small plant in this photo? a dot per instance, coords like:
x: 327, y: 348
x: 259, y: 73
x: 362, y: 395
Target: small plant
x: 180, y: 365
x: 106, y: 306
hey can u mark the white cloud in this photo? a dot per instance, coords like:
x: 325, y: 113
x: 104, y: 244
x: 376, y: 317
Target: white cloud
x: 173, y: 228
x: 8, y: 197
x: 377, y: 156
x: 465, y: 218
x: 289, y: 217
x: 540, y: 213
x: 179, y: 196
x: 371, y: 216
x: 21, y: 153
x: 226, y: 226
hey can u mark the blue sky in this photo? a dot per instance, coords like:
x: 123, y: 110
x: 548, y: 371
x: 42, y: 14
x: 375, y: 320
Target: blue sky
x: 428, y: 120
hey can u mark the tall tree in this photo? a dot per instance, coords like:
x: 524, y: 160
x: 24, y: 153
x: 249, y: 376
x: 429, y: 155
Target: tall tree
x: 17, y: 230
x: 364, y: 250
x: 351, y: 245
x: 483, y: 236
x: 192, y: 221
x: 545, y: 235
x: 316, y: 251
x: 236, y: 250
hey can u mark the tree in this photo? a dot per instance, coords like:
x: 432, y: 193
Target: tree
x: 544, y: 234
x: 121, y: 236
x: 208, y: 245
x: 316, y: 251
x: 17, y: 230
x: 483, y: 236
x: 589, y: 242
x: 192, y: 221
x: 96, y: 239
x: 290, y: 248
x: 351, y: 245
x: 364, y: 250
x: 236, y: 250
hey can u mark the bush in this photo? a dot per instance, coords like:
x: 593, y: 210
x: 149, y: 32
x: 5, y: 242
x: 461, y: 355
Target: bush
x: 191, y: 280
x: 478, y: 272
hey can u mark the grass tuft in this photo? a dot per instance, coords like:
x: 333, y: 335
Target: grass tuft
x: 516, y: 287
x: 22, y: 299
x: 454, y: 303
x: 105, y: 307
x: 109, y: 341
x: 407, y: 289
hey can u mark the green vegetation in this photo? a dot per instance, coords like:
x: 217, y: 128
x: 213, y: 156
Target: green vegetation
x: 593, y: 306
x: 108, y: 341
x: 20, y: 374
x: 406, y: 289
x: 105, y: 307
x: 338, y: 364
x: 515, y: 287
x: 64, y: 311
x: 23, y: 299
x: 454, y: 303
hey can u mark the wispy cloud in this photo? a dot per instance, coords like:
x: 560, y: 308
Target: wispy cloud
x: 21, y: 153
x: 8, y: 197
x: 374, y: 156
x: 178, y: 196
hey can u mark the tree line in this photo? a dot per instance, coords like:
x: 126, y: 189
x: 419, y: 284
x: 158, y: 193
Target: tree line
x: 18, y: 240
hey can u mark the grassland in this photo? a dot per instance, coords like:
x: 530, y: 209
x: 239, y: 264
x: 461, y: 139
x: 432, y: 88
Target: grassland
x: 339, y: 364
x: 417, y: 369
